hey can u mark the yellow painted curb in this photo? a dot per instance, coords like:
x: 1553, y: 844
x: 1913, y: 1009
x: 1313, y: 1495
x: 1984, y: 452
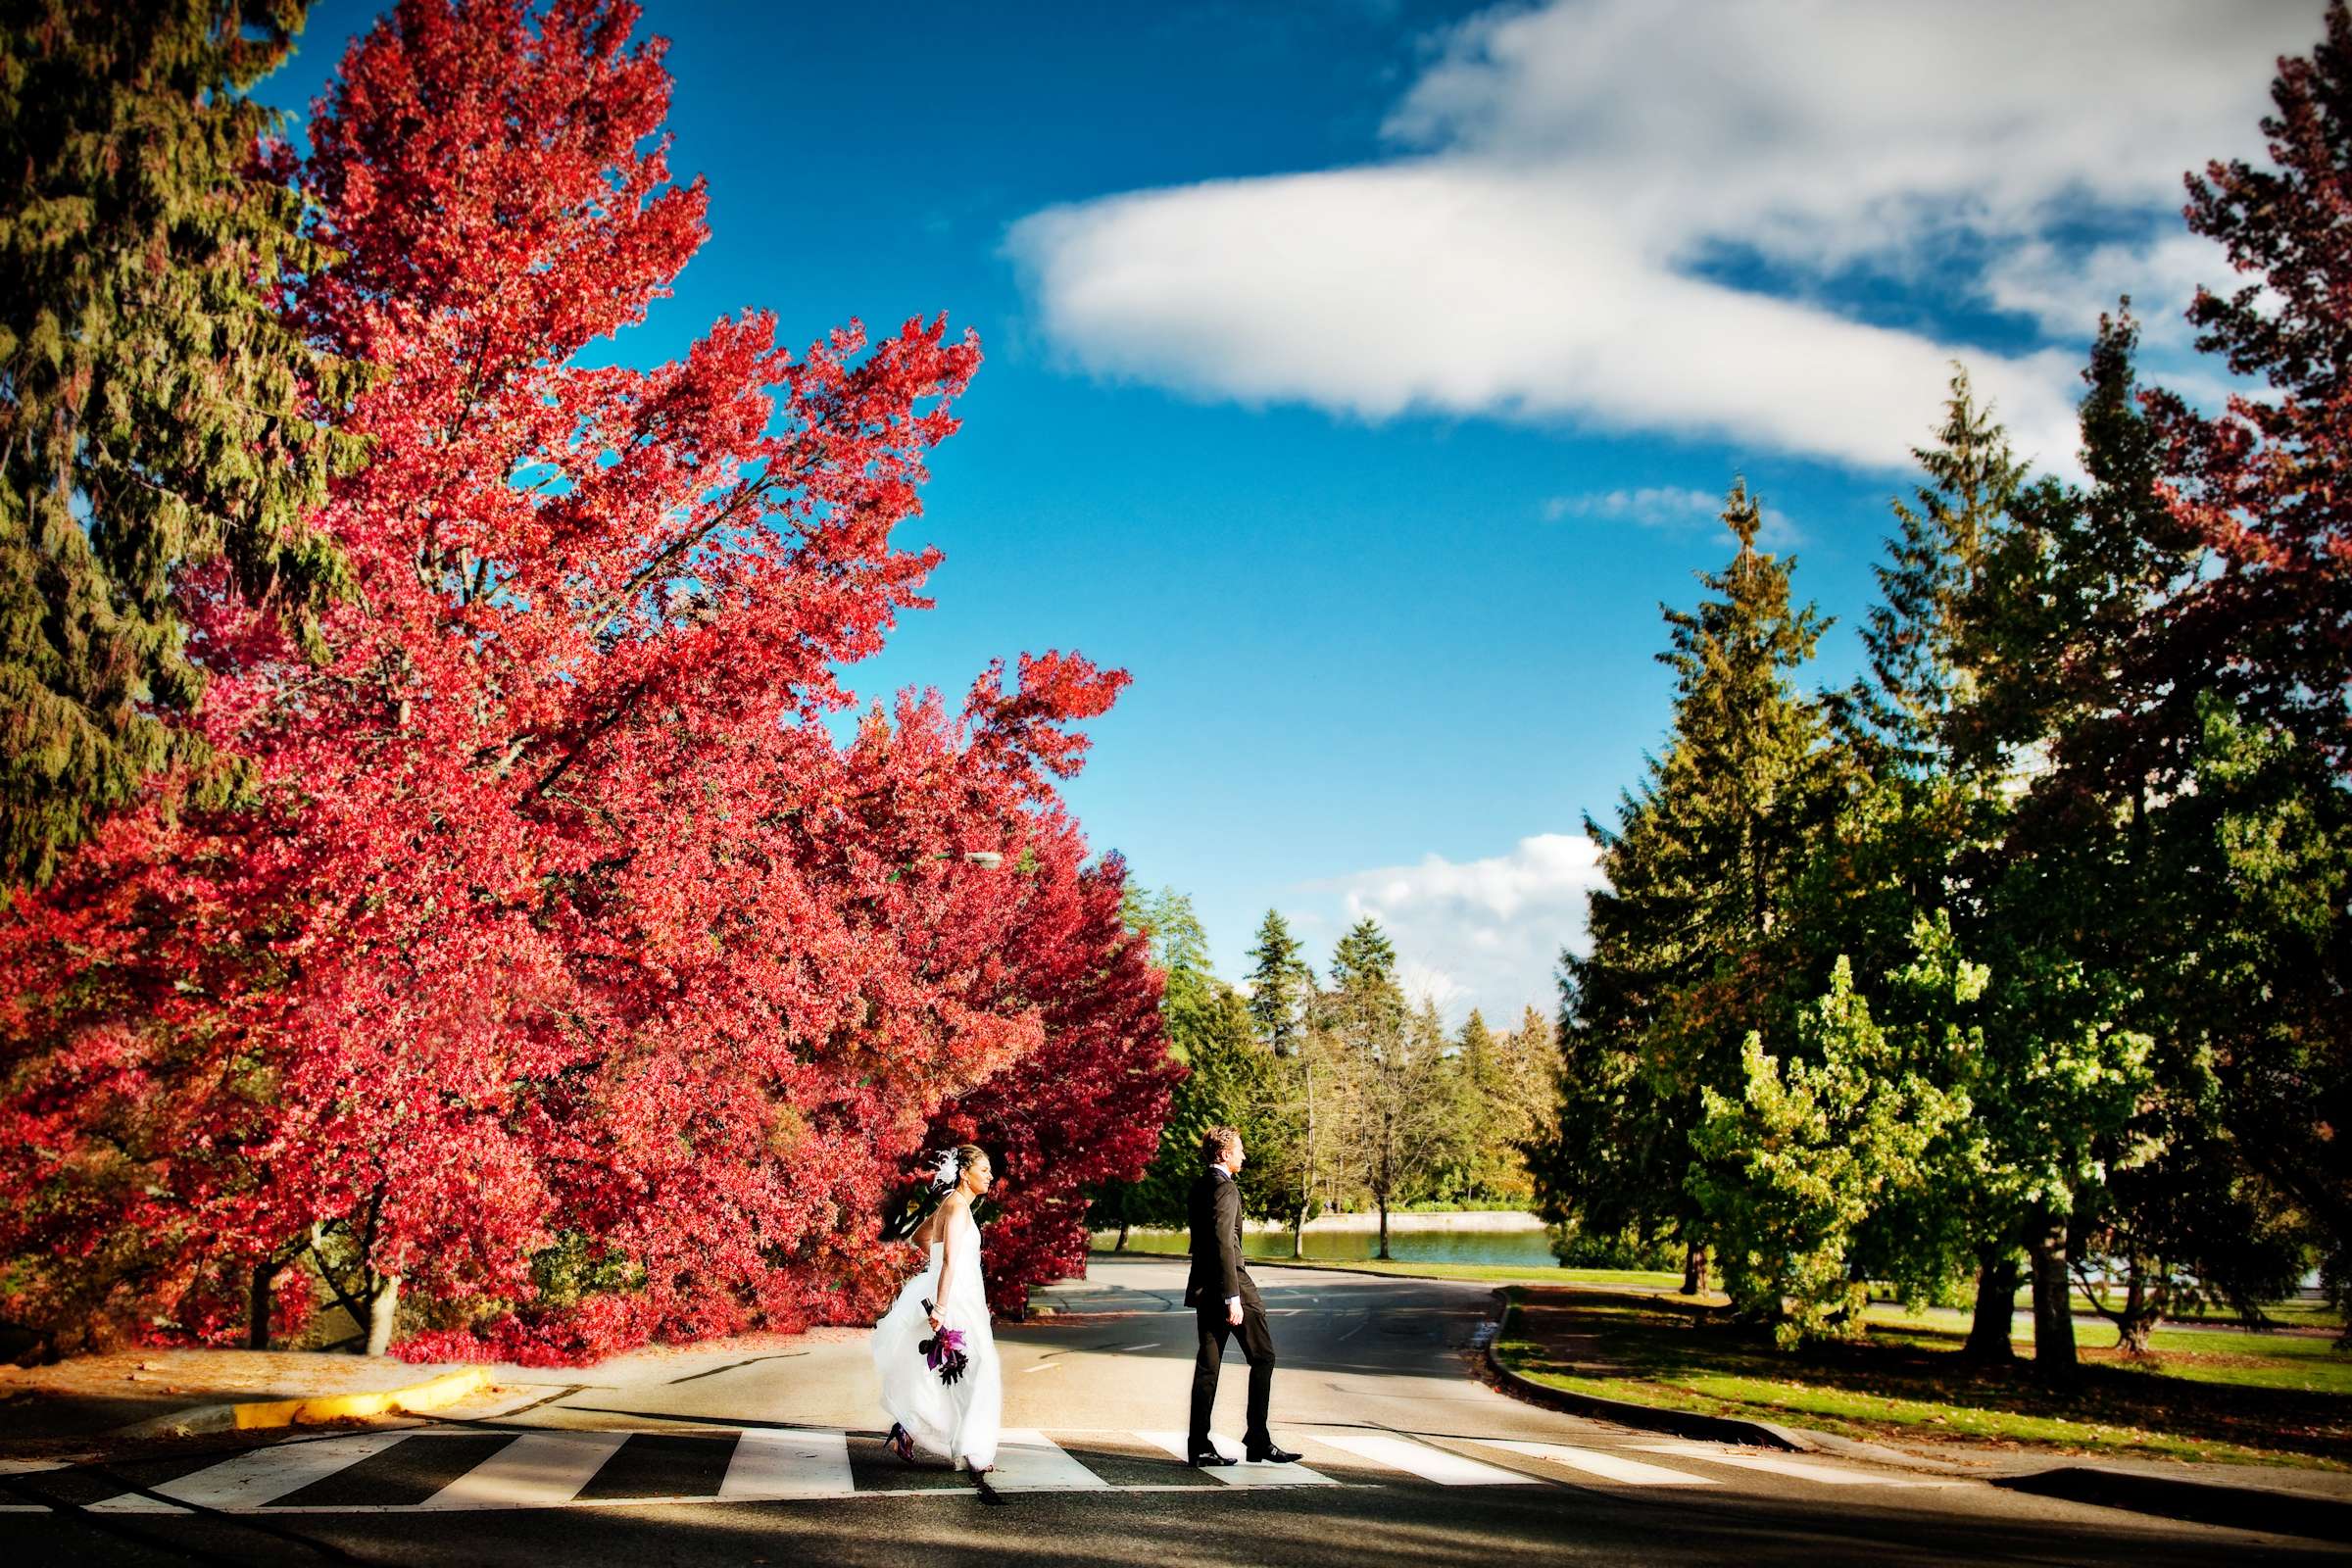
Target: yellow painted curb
x: 414, y: 1399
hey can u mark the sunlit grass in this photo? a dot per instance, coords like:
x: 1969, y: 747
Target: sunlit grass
x: 2202, y: 1394
x: 1166, y: 1244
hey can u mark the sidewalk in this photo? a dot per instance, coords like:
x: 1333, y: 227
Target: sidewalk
x: 50, y: 1410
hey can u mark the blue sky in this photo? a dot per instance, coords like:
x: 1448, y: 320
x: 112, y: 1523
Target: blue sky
x: 1360, y: 376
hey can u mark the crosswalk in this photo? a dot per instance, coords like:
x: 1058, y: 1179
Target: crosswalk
x: 453, y: 1468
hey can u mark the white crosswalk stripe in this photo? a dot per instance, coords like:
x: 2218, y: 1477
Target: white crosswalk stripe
x: 1440, y: 1465
x: 255, y: 1477
x: 1797, y: 1469
x: 535, y: 1470
x: 549, y: 1468
x: 1598, y: 1462
x: 769, y: 1463
x: 1176, y: 1446
x: 1030, y: 1461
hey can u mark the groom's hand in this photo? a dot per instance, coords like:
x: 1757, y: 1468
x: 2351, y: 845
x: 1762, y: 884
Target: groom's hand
x: 1232, y: 1313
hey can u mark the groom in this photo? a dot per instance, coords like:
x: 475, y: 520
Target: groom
x: 1226, y: 1297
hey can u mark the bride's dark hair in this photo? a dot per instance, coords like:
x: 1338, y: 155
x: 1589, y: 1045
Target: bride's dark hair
x: 914, y: 1204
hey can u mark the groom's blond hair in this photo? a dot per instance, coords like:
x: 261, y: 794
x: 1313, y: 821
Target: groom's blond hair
x: 1217, y: 1143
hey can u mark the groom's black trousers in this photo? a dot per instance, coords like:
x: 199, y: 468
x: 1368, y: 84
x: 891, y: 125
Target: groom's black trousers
x: 1257, y: 1344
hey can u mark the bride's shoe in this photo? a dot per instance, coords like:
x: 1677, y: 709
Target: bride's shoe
x: 901, y: 1443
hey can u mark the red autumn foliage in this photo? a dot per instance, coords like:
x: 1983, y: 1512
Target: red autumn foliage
x: 2272, y: 628
x: 567, y: 969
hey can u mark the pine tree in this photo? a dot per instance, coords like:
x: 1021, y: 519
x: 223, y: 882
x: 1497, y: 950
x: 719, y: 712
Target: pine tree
x: 1229, y: 1078
x: 1935, y: 560
x: 1280, y: 983
x: 1294, y: 1134
x: 1700, y: 863
x: 162, y: 432
x: 1365, y: 958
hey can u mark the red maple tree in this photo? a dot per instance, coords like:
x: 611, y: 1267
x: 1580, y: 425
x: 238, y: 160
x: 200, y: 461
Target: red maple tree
x: 565, y: 975
x: 2272, y: 629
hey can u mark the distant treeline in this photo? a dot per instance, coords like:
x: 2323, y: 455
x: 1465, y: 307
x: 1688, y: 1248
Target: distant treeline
x: 1346, y: 1095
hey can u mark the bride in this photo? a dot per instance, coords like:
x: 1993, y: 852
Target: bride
x: 940, y: 1313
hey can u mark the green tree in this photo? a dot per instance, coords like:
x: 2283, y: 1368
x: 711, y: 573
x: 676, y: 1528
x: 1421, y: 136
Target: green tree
x: 1925, y: 810
x: 1229, y: 1078
x: 162, y: 431
x: 1405, y: 1112
x: 1293, y: 1153
x: 1508, y: 1078
x: 1281, y: 982
x: 1700, y: 863
x: 1795, y: 1166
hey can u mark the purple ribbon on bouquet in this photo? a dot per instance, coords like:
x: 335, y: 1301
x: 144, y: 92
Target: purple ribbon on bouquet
x: 944, y: 1353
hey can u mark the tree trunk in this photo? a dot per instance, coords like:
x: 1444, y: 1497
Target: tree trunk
x: 1121, y: 1244
x: 382, y: 1305
x: 1306, y: 1173
x: 1384, y: 1228
x: 2141, y: 1312
x: 1990, y: 1327
x: 1695, y: 1270
x: 256, y: 1305
x: 2053, y: 1297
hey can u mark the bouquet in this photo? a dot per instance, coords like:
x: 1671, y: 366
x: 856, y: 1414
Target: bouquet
x: 943, y: 1352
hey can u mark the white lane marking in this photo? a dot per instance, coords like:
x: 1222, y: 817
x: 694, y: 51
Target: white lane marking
x: 1043, y: 1366
x: 255, y: 1477
x: 1609, y: 1466
x: 1797, y: 1469
x: 1027, y: 1461
x: 537, y: 1470
x: 1444, y: 1468
x: 773, y: 1463
x: 1139, y: 1344
x: 1244, y: 1474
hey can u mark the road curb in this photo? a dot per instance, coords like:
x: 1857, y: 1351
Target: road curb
x: 1643, y: 1417
x: 413, y: 1398
x: 1648, y: 1417
x: 2197, y: 1501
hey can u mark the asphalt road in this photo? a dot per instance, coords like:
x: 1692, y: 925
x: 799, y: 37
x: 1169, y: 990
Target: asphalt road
x: 773, y: 1454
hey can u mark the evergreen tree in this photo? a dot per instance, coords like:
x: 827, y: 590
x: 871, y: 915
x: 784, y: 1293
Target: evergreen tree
x: 1507, y: 1080
x: 1700, y: 863
x: 1904, y: 708
x: 1279, y: 984
x: 1294, y: 1147
x: 1366, y: 959
x: 162, y: 431
x: 1230, y: 1079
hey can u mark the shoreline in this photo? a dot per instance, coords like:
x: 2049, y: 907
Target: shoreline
x: 1488, y: 1221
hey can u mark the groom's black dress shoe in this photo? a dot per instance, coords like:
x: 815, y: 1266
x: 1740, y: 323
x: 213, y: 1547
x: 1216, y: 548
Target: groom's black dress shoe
x: 1272, y: 1455
x: 1213, y: 1456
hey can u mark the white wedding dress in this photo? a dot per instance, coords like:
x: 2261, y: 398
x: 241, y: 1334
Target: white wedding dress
x: 957, y: 1421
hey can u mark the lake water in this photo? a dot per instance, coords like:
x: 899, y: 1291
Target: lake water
x: 1527, y: 1249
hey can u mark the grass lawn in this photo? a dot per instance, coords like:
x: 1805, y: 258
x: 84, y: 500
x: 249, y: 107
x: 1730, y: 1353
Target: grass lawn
x: 1162, y: 1246
x: 2203, y: 1394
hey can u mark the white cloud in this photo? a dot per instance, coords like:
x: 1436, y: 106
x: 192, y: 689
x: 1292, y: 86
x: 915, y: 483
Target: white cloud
x: 1484, y: 933
x: 1675, y: 508
x: 1534, y: 252
x: 2064, y: 289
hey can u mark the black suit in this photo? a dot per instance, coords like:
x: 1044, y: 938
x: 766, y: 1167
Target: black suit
x: 1217, y: 1276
